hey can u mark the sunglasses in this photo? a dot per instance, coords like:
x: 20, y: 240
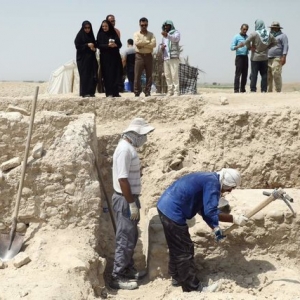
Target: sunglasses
x: 144, y: 25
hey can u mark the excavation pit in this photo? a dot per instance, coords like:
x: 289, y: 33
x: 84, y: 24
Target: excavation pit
x: 70, y: 239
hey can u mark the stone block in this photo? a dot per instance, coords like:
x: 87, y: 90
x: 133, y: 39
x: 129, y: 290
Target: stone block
x: 12, y: 163
x: 223, y: 100
x: 21, y: 259
x: 37, y: 150
x: 70, y: 189
x: 22, y: 111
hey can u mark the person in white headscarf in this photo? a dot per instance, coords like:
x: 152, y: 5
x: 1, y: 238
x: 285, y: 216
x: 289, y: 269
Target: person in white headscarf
x: 126, y: 204
x: 195, y: 193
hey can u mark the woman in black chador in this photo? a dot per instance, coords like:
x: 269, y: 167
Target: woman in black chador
x: 87, y: 64
x: 109, y: 44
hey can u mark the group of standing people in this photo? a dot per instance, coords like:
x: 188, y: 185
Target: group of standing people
x: 268, y: 55
x: 108, y: 42
x: 138, y: 58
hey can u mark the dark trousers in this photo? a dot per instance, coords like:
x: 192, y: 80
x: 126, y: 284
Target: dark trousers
x: 130, y: 76
x: 241, y: 73
x: 143, y: 62
x: 181, y: 254
x: 262, y: 68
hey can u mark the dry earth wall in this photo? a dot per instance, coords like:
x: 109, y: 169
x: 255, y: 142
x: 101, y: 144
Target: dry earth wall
x: 192, y: 133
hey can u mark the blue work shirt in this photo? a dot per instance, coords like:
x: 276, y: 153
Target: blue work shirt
x: 191, y: 194
x: 237, y: 39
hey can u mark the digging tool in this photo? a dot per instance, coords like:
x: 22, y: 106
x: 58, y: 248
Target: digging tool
x: 10, y: 244
x: 276, y: 194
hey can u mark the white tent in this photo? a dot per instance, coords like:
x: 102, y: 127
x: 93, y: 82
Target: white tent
x: 65, y: 79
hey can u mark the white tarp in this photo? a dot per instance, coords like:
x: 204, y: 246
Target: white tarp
x: 65, y: 79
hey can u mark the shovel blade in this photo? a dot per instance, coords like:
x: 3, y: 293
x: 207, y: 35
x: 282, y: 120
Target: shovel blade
x: 17, y: 242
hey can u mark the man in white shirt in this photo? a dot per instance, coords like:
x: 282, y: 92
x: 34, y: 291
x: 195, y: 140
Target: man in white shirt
x: 126, y: 204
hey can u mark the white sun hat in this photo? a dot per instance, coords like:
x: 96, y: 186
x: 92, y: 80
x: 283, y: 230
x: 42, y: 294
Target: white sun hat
x: 140, y: 126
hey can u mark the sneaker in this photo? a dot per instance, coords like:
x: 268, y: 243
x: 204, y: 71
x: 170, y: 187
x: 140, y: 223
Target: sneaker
x: 211, y: 288
x: 122, y: 283
x: 132, y: 273
x: 147, y: 95
x: 136, y: 94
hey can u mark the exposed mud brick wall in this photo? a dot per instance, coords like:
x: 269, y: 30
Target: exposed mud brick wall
x: 14, y: 129
x: 61, y: 187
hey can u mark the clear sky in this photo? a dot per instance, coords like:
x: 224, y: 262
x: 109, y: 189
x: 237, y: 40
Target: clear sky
x: 37, y: 36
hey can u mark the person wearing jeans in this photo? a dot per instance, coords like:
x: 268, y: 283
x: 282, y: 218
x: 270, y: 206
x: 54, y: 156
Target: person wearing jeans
x: 259, y: 41
x: 262, y: 68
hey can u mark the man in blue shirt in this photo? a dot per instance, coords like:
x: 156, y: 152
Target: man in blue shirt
x: 241, y: 60
x: 191, y: 194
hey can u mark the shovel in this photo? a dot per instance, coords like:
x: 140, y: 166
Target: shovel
x: 10, y: 244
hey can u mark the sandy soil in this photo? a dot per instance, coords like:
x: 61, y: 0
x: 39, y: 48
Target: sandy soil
x: 258, y: 263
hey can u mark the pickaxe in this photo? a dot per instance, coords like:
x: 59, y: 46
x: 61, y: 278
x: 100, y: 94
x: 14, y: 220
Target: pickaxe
x: 276, y: 194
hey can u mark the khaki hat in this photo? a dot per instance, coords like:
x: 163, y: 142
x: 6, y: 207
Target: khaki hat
x: 275, y: 25
x: 140, y: 126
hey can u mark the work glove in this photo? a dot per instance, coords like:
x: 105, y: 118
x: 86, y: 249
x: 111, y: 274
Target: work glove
x: 240, y: 220
x: 134, y: 211
x: 219, y: 234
